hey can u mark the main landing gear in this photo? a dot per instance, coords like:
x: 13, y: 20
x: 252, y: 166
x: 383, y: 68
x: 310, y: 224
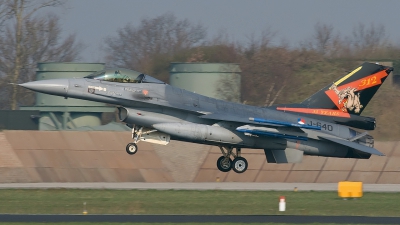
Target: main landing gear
x: 132, y: 148
x: 225, y: 163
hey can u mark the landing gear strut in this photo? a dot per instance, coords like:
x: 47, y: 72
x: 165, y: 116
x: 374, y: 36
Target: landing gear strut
x: 225, y: 163
x: 132, y: 148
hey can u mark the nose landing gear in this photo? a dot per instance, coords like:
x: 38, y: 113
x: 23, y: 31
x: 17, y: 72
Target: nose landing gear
x: 132, y: 148
x: 225, y: 163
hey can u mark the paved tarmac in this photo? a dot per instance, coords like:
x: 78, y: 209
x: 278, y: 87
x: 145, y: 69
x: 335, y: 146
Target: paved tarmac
x: 233, y: 186
x: 199, y: 219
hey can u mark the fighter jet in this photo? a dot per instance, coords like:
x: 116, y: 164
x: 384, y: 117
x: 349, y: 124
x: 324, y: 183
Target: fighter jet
x: 157, y: 113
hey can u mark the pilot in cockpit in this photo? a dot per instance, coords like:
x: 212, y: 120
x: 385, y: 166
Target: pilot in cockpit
x: 117, y: 77
x: 123, y: 76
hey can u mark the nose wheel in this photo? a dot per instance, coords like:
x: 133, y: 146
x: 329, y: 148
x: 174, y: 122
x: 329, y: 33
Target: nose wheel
x: 225, y: 163
x: 131, y: 148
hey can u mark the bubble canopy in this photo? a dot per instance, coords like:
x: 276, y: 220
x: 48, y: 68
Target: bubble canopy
x: 123, y: 76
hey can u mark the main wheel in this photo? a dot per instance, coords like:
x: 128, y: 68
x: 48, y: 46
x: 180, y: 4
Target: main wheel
x: 224, y: 164
x: 131, y: 148
x: 239, y: 165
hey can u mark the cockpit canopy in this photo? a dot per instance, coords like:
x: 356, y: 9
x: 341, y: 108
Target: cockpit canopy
x: 123, y: 76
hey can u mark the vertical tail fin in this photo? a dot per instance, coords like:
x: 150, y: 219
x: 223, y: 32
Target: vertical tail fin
x: 351, y: 93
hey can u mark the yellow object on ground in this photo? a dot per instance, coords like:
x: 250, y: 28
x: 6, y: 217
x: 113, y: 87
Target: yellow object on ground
x: 348, y: 189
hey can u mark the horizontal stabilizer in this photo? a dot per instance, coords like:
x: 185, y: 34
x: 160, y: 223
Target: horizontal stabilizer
x: 282, y: 123
x: 288, y: 155
x: 356, y: 146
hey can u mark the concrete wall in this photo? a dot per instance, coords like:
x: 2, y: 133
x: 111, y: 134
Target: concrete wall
x: 94, y: 156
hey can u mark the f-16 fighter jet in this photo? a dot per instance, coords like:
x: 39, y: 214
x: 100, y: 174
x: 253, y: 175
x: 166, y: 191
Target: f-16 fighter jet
x: 158, y: 113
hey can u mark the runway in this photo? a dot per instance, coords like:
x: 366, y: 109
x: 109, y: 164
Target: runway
x: 232, y: 186
x: 199, y: 218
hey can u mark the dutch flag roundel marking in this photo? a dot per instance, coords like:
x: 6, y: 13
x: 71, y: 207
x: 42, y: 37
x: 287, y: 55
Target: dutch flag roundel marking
x: 301, y: 121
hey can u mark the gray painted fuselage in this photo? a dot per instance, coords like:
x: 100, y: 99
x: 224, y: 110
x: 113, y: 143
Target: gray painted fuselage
x: 167, y: 104
x: 191, y: 117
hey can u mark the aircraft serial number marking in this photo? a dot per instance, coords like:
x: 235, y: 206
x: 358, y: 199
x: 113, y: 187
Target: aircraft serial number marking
x: 323, y: 126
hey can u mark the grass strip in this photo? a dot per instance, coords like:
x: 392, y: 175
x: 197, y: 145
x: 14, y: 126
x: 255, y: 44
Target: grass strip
x: 171, y: 202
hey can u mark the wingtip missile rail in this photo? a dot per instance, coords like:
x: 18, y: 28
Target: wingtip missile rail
x: 258, y: 132
x: 282, y: 123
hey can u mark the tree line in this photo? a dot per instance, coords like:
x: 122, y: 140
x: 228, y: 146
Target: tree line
x: 27, y: 36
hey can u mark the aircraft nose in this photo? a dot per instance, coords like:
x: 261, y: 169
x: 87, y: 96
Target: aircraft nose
x: 52, y: 86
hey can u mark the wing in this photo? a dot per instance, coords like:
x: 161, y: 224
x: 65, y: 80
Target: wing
x: 258, y: 121
x: 270, y: 128
x: 287, y: 130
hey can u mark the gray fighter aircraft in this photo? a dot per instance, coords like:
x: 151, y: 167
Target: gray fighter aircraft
x: 158, y: 113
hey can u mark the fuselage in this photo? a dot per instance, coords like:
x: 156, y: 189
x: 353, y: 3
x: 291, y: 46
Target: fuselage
x: 148, y: 104
x: 166, y: 103
x: 158, y: 112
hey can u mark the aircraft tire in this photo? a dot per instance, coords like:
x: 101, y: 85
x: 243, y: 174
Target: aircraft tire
x: 239, y: 165
x: 131, y: 148
x: 222, y: 165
